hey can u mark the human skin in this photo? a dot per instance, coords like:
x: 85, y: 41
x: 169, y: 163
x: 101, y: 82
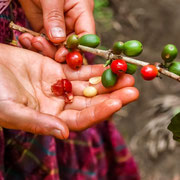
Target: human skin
x: 47, y: 16
x: 27, y: 103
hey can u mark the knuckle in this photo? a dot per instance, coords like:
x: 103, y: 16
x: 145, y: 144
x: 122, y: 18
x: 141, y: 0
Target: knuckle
x: 34, y: 128
x: 77, y: 125
x: 54, y: 15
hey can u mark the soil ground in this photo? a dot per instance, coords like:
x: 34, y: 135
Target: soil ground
x: 155, y: 23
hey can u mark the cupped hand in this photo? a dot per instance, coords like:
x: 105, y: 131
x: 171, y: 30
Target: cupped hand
x: 57, y: 19
x: 27, y: 103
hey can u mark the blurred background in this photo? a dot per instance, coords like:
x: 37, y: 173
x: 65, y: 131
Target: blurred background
x: 144, y: 122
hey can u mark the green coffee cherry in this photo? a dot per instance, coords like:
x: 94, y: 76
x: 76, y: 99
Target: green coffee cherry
x: 72, y: 41
x: 132, y: 48
x: 174, y: 67
x: 169, y: 53
x: 131, y: 68
x: 109, y: 79
x: 90, y: 40
x: 118, y: 47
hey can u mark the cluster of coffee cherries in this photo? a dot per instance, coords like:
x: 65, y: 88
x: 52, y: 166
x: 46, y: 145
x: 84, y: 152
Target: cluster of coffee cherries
x: 74, y: 59
x: 169, y: 54
x: 119, y: 66
x: 130, y: 48
x: 134, y: 48
x: 116, y: 68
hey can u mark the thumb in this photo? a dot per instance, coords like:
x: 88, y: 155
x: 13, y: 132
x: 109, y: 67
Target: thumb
x: 53, y: 15
x: 24, y: 118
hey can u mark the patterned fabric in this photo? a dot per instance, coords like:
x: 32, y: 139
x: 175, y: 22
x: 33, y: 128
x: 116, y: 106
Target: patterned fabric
x: 4, y: 4
x: 98, y: 153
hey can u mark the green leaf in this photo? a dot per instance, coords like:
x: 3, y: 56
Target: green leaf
x: 101, y: 3
x: 174, y: 127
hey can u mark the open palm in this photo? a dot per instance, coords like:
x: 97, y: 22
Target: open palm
x: 27, y: 103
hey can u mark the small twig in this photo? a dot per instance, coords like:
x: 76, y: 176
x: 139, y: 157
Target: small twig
x: 25, y: 30
x: 98, y: 52
x: 107, y: 54
x: 167, y: 73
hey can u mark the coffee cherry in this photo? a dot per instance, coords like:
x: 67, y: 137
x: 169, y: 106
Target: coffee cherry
x: 58, y: 88
x: 63, y: 88
x: 118, y: 66
x: 74, y: 59
x: 149, y: 72
x: 175, y: 67
x: 90, y: 40
x: 169, y: 53
x: 90, y: 91
x: 72, y: 41
x: 95, y: 80
x: 67, y: 86
x: 132, y: 48
x: 131, y: 68
x: 118, y: 47
x: 109, y: 79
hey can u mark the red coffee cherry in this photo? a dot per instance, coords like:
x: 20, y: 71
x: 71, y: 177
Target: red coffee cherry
x: 57, y: 88
x: 149, y: 72
x: 74, y: 59
x: 118, y: 66
x: 63, y: 88
x: 67, y: 85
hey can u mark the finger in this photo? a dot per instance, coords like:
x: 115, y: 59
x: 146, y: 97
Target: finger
x: 23, y: 118
x: 25, y: 40
x: 82, y: 29
x: 124, y: 80
x: 33, y: 13
x: 77, y: 15
x: 61, y: 53
x: 53, y: 15
x: 44, y: 47
x: 84, y: 73
x: 90, y: 116
x: 126, y: 95
x: 38, y: 44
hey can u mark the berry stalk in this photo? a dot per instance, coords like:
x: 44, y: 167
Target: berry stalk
x: 19, y: 28
x: 107, y: 54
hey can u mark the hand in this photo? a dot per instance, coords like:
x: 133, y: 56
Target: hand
x: 58, y: 19
x: 27, y: 103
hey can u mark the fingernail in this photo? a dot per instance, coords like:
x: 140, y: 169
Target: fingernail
x: 27, y: 43
x: 57, y: 32
x: 38, y: 46
x: 57, y: 133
